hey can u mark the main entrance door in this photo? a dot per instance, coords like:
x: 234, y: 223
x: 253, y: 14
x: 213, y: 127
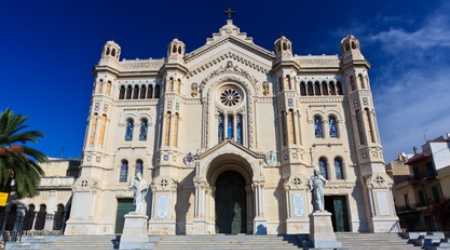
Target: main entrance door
x: 231, y: 205
x: 337, y: 206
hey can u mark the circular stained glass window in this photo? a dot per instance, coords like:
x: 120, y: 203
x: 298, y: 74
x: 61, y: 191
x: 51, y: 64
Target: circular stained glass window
x: 230, y: 97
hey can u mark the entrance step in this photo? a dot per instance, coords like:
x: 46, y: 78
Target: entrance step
x: 350, y: 241
x: 227, y: 242
x: 374, y: 241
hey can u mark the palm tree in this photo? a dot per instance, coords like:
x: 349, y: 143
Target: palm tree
x: 19, y: 164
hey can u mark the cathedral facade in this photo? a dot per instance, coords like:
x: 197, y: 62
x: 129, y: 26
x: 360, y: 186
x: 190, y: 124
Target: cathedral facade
x: 228, y: 135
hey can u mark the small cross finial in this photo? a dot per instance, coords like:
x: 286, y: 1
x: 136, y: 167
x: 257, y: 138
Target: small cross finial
x: 229, y: 12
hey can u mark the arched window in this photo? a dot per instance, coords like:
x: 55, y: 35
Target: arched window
x: 58, y: 219
x: 136, y: 92
x: 310, y: 88
x: 318, y: 126
x: 339, y: 88
x: 113, y: 52
x: 370, y: 123
x: 150, y: 91
x: 143, y: 130
x: 302, y: 89
x: 325, y: 88
x: 288, y: 79
x: 129, y: 91
x: 221, y: 126
x: 143, y: 91
x: 139, y: 167
x: 361, y: 81
x: 239, y: 131
x: 323, y: 167
x: 102, y: 130
x: 317, y: 89
x: 339, y: 168
x: 157, y: 91
x: 332, y: 123
x: 230, y: 127
x: 107, y: 51
x: 360, y: 126
x: 171, y: 84
x: 352, y: 82
x: 122, y: 92
x: 40, y: 218
x: 123, y: 175
x: 29, y: 218
x: 129, y: 130
x: 108, y: 87
x: 332, y: 89
x: 280, y: 83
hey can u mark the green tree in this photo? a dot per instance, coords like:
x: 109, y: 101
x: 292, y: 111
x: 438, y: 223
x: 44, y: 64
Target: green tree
x: 19, y: 163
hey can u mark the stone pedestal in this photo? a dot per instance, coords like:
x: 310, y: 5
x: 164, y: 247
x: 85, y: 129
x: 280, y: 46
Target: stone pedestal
x: 260, y: 226
x: 321, y: 231
x: 135, y: 235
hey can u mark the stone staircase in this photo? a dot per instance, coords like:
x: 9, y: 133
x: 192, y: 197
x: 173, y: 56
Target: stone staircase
x: 350, y: 241
x: 374, y: 241
x: 78, y: 242
x: 227, y: 242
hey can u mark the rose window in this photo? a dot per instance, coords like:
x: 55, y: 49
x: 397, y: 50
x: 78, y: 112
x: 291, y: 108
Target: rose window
x: 230, y: 97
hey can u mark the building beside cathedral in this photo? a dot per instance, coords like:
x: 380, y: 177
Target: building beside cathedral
x: 228, y: 136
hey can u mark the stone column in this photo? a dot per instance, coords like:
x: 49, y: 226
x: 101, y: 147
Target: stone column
x: 49, y: 219
x: 296, y: 206
x: 200, y: 223
x: 163, y: 219
x: 382, y: 209
x: 259, y: 223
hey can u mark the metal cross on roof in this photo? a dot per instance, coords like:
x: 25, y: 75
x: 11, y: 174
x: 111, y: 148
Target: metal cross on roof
x: 230, y: 13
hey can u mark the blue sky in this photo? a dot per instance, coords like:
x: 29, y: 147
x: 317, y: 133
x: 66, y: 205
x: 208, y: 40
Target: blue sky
x: 48, y: 49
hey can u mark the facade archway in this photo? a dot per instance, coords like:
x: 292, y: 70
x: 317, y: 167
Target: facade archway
x: 230, y: 177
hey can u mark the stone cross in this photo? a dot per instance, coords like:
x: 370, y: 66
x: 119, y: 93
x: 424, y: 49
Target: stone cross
x: 230, y: 13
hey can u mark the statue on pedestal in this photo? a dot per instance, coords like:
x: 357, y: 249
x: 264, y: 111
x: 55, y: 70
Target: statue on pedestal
x: 140, y: 189
x: 317, y: 186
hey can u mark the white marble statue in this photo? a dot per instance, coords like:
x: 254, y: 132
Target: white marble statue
x: 140, y: 189
x: 317, y: 186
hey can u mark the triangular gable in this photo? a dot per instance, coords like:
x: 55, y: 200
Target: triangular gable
x: 230, y: 33
x: 231, y: 143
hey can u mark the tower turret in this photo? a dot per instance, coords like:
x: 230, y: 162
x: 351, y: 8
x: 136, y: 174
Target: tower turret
x: 283, y: 48
x: 175, y: 51
x: 350, y: 49
x: 111, y: 53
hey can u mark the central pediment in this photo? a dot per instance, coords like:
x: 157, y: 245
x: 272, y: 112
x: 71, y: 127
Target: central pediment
x: 230, y: 34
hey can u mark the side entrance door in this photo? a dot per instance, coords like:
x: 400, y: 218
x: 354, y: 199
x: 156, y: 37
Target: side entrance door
x: 337, y: 206
x: 124, y: 206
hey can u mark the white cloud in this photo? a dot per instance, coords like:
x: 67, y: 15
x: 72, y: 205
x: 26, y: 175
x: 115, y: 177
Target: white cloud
x: 412, y: 96
x: 435, y: 32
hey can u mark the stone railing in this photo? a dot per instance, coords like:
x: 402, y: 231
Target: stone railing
x: 57, y: 182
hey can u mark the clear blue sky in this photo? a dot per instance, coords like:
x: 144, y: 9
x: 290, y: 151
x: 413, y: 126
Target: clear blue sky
x: 48, y: 49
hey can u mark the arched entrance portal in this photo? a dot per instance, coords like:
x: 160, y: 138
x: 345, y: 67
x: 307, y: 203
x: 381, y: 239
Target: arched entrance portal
x: 231, y: 203
x: 230, y: 207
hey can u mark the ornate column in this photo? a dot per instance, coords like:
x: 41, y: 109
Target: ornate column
x: 200, y: 222
x: 259, y: 222
x: 296, y: 191
x: 163, y: 219
x: 382, y: 209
